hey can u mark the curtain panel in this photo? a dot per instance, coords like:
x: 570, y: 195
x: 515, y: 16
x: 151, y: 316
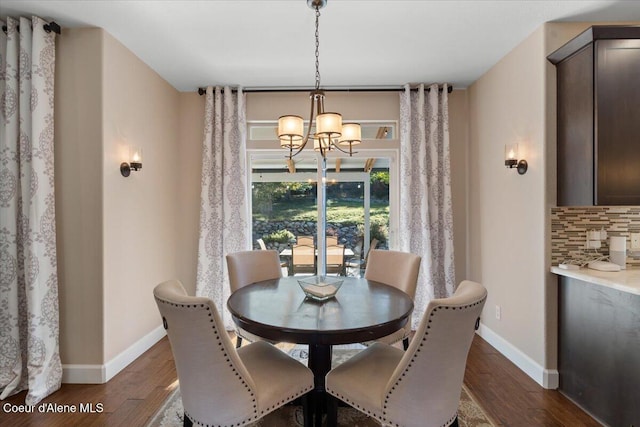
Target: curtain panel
x: 426, y: 217
x: 29, y: 324
x: 224, y: 204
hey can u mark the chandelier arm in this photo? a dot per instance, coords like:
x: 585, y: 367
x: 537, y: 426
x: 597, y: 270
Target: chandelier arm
x: 350, y: 152
x: 306, y: 138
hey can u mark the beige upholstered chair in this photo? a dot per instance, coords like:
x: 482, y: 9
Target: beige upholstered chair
x: 248, y: 267
x: 420, y: 386
x: 219, y: 384
x: 400, y: 270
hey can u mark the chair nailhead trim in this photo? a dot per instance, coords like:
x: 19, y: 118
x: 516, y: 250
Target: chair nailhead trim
x: 413, y: 359
x: 255, y: 415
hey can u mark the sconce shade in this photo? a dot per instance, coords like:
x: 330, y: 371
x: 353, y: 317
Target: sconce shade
x: 510, y: 155
x: 136, y: 158
x: 135, y: 162
x: 329, y: 124
x: 511, y: 159
x: 351, y: 134
x: 290, y: 131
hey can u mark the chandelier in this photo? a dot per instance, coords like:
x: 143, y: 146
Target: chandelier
x: 330, y: 133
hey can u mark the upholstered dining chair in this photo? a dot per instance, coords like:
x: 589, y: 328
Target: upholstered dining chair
x: 248, y: 267
x: 219, y: 384
x: 420, y: 386
x: 400, y: 270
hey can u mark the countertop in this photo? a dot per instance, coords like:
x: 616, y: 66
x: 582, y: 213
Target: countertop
x: 624, y: 280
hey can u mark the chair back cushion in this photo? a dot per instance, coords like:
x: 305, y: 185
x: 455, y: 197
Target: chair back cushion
x: 252, y: 266
x: 428, y: 379
x: 213, y: 379
x: 394, y: 268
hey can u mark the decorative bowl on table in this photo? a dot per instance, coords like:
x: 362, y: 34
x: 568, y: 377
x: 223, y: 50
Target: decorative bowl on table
x: 320, y: 288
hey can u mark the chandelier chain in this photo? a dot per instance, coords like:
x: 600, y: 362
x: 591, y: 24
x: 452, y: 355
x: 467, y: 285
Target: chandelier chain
x: 317, y: 48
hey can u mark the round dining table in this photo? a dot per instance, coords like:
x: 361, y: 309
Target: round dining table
x: 278, y: 310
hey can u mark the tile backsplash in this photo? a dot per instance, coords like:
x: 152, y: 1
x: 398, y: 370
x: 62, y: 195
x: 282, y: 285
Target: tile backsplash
x: 569, y: 226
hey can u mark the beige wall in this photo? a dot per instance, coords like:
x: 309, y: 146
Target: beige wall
x: 78, y: 184
x: 117, y: 237
x: 459, y: 152
x: 140, y: 212
x: 189, y: 162
x: 507, y: 210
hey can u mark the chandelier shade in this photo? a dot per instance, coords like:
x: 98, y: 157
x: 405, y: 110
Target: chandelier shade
x: 321, y: 144
x: 351, y: 134
x: 290, y: 131
x: 329, y: 124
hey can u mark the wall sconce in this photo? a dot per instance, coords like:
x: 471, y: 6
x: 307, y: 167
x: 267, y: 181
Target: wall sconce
x: 511, y: 159
x: 135, y: 154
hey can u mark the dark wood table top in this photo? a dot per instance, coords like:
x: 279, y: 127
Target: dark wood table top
x: 362, y: 310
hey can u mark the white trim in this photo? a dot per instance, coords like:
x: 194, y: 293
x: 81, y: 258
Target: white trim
x: 100, y: 374
x: 547, y: 378
x: 122, y: 360
x: 83, y: 374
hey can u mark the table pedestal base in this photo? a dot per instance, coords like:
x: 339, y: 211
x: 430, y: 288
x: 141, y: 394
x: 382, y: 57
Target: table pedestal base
x: 320, y: 365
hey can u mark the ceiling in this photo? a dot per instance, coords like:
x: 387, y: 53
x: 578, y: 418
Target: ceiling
x: 367, y: 44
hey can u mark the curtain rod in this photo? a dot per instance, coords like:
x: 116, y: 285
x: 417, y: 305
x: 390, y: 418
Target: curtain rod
x: 51, y: 26
x: 203, y: 91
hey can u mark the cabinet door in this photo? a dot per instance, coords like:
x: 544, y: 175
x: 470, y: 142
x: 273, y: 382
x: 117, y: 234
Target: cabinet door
x: 618, y: 122
x: 575, y: 129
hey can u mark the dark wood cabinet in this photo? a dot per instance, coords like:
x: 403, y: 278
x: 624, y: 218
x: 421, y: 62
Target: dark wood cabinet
x: 599, y: 350
x: 598, y: 78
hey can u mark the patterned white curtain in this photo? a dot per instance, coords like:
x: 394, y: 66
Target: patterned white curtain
x: 29, y: 328
x: 426, y: 217
x: 224, y: 203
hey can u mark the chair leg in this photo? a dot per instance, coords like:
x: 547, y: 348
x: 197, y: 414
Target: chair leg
x: 455, y: 423
x: 405, y: 343
x: 238, y: 341
x: 186, y: 422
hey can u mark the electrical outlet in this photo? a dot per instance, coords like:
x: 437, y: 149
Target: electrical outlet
x: 593, y: 244
x: 635, y: 241
x: 498, y: 312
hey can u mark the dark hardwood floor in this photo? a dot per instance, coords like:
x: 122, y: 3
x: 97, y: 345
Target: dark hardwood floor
x: 132, y: 397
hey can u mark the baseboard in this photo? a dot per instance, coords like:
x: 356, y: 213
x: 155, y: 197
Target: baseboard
x: 547, y: 378
x: 100, y: 374
x: 83, y: 374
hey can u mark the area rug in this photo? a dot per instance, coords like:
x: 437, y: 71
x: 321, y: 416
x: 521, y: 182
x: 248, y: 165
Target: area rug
x: 170, y: 414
